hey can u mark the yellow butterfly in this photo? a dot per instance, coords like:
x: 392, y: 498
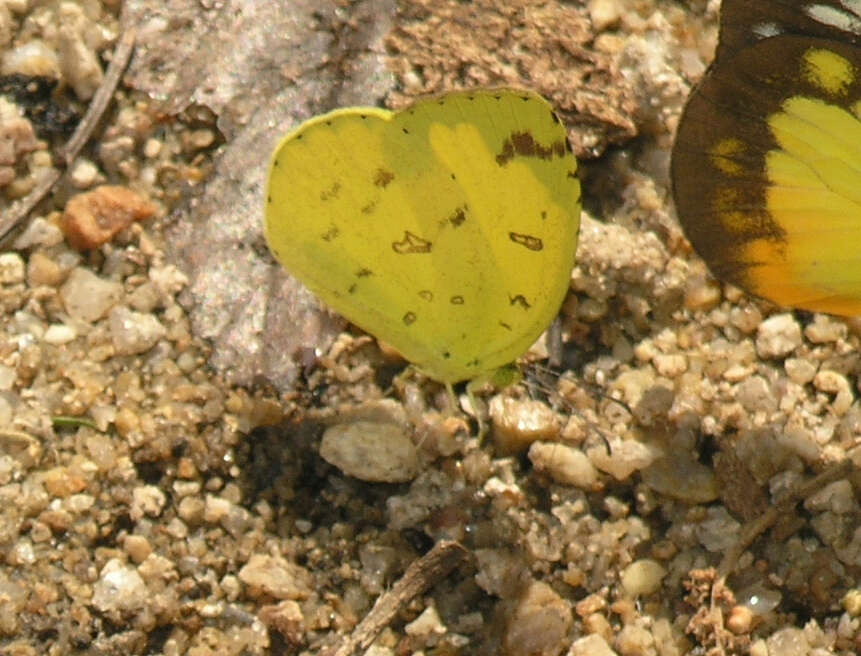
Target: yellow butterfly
x: 447, y: 229
x: 766, y: 165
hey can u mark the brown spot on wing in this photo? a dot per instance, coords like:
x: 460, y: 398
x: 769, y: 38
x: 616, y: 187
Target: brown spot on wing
x: 520, y: 300
x: 523, y: 144
x: 331, y: 192
x: 411, y: 244
x: 458, y: 216
x: 531, y: 242
x: 382, y: 178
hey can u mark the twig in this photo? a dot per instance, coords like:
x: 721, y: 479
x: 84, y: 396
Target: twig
x: 420, y: 575
x: 756, y: 527
x: 82, y: 134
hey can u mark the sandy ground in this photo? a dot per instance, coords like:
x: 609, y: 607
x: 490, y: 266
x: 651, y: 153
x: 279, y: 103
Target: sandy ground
x: 164, y: 493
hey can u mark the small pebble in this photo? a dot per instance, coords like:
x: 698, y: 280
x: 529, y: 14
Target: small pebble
x: 426, y: 625
x: 134, y: 332
x: 591, y: 645
x: 7, y: 377
x: 120, y: 589
x: 564, y: 464
x: 682, y: 477
x: 59, y: 333
x: 137, y: 547
x: 216, y: 509
x: 825, y: 329
x: 634, y: 640
x: 84, y: 174
x: 539, y: 624
x: 39, y: 232
x: 42, y: 270
x: 835, y: 383
x: 755, y: 394
x: 147, y: 500
x: 740, y: 620
x: 11, y: 268
x: 371, y: 451
x: 63, y: 482
x: 837, y: 497
x: 276, y: 577
x: 152, y: 147
x: 799, y: 370
x: 287, y: 619
x: 88, y: 297
x: 702, y: 294
x: 517, y: 424
x: 79, y: 63
x: 778, y: 336
x: 95, y: 217
x: 625, y: 457
x: 34, y: 58
x: 642, y: 577
x: 759, y: 648
x: 852, y: 602
x: 788, y: 641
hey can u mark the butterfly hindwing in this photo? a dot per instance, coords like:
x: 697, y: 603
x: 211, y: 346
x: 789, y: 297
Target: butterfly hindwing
x: 766, y: 165
x: 447, y: 229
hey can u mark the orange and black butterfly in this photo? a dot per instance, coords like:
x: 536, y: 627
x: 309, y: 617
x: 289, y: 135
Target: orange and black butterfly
x: 766, y: 165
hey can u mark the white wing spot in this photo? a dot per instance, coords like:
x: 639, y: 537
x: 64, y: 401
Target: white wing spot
x: 848, y: 20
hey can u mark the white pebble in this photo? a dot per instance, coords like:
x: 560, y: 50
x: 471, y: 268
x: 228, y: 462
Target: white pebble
x: 591, y: 645
x: 84, y: 174
x: 39, y: 232
x: 604, y: 14
x: 119, y: 589
x: 7, y: 377
x: 32, y: 58
x: 642, y: 577
x: 835, y: 383
x: 6, y: 411
x: 147, y: 500
x: 134, y: 332
x: 789, y: 641
x: 273, y: 576
x: 371, y: 451
x: 778, y: 336
x: 799, y: 370
x: 59, y: 333
x: 79, y: 63
x: 564, y: 464
x: 627, y: 456
x: 152, y: 147
x: 87, y: 297
x: 426, y: 625
x: 11, y: 268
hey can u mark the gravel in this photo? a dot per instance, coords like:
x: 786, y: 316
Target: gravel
x: 149, y: 506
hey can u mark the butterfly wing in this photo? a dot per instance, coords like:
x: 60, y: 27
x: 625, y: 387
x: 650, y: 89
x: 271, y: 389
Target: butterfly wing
x: 766, y: 172
x: 745, y: 22
x: 447, y: 229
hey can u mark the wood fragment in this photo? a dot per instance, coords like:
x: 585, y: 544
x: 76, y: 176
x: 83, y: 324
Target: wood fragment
x: 420, y: 575
x: 756, y: 527
x: 69, y: 152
